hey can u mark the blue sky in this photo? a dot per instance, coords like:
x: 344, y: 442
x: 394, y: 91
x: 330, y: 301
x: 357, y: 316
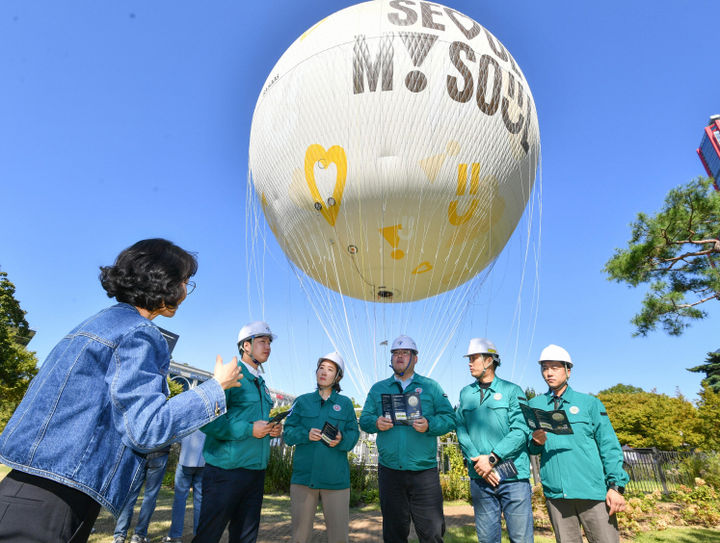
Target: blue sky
x: 126, y: 120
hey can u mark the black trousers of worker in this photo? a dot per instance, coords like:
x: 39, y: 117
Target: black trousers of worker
x: 411, y: 494
x: 38, y: 510
x: 231, y: 496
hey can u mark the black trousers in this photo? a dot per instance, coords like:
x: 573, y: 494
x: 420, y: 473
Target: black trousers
x: 411, y: 494
x: 231, y: 496
x: 37, y: 510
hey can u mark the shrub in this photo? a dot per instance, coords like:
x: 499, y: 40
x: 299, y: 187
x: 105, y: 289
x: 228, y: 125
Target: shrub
x: 6, y: 411
x: 173, y: 457
x: 539, y: 508
x: 363, y: 482
x: 701, y: 504
x: 455, y: 482
x: 279, y: 470
x: 705, y: 466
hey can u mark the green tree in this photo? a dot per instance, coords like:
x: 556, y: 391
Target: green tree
x: 708, y: 415
x: 17, y: 365
x: 621, y: 389
x: 175, y: 387
x: 711, y: 369
x: 648, y: 419
x: 674, y: 253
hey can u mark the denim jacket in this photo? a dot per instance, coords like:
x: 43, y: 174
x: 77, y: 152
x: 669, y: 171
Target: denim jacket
x: 99, y: 403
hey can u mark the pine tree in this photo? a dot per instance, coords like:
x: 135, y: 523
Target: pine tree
x: 17, y: 365
x: 711, y: 369
x: 675, y: 252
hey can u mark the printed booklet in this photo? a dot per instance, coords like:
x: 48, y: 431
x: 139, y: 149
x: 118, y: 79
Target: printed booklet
x: 403, y: 409
x: 555, y: 422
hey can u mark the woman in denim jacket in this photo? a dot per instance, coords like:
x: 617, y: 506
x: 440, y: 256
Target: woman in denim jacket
x: 98, y: 404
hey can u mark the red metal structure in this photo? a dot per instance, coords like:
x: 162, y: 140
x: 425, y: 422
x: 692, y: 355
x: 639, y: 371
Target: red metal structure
x: 709, y: 150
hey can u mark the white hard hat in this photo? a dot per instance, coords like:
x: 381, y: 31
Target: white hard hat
x: 337, y: 359
x: 481, y: 345
x: 555, y: 353
x: 404, y: 342
x: 253, y: 330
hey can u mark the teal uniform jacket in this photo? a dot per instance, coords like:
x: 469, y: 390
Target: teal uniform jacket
x: 403, y: 447
x: 315, y: 464
x: 229, y: 443
x: 494, y: 424
x: 581, y: 465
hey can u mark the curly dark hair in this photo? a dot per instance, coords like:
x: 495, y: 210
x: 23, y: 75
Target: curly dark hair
x: 150, y: 274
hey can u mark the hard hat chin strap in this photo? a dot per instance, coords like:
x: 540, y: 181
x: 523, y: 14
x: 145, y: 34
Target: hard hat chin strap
x: 564, y: 383
x: 559, y: 387
x: 485, y: 368
x: 250, y: 356
x: 406, y: 366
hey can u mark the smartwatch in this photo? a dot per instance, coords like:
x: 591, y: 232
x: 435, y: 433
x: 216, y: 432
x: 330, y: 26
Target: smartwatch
x: 493, y: 459
x: 619, y: 489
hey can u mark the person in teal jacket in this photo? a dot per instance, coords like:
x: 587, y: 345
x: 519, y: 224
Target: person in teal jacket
x: 320, y: 464
x: 492, y: 432
x: 582, y: 473
x: 407, y: 463
x: 237, y: 449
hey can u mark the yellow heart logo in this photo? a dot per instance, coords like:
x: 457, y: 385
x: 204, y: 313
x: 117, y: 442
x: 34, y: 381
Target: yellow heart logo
x: 336, y: 155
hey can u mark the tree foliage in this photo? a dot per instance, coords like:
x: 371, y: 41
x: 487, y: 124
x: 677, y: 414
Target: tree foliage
x: 675, y: 253
x: 17, y: 365
x: 622, y: 389
x: 711, y: 369
x: 174, y: 387
x: 647, y: 419
x: 708, y: 415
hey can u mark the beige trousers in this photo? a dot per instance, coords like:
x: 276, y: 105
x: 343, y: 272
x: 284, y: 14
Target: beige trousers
x: 336, y: 510
x: 566, y: 516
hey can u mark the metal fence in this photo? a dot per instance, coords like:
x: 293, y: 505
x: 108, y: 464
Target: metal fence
x: 649, y: 469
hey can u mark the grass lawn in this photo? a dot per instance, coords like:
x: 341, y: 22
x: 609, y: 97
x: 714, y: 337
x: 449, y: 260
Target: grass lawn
x: 466, y: 534
x: 680, y: 535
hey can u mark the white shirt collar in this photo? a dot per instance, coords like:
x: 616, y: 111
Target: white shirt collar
x: 252, y: 370
x: 404, y: 384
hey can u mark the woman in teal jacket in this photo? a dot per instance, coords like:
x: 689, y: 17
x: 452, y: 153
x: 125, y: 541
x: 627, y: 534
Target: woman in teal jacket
x: 323, y: 426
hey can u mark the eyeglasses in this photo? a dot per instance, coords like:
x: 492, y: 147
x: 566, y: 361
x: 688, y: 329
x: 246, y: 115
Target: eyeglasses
x: 402, y: 352
x: 190, y: 286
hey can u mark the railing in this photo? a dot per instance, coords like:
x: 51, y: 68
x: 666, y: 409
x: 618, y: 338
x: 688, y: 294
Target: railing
x: 651, y: 469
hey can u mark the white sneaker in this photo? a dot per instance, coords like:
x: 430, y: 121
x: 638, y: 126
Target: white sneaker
x: 139, y: 539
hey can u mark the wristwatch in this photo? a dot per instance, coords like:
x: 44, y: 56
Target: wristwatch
x: 493, y: 459
x: 619, y: 489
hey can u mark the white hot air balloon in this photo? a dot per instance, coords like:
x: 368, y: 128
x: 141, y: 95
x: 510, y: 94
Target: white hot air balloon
x: 393, y: 150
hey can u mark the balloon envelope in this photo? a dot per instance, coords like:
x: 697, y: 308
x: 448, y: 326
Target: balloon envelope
x: 393, y: 149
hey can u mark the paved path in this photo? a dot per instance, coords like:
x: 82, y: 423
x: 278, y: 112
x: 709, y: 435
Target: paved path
x: 365, y: 527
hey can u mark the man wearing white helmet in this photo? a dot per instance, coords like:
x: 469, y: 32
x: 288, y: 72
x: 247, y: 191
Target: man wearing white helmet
x: 320, y: 464
x: 237, y: 448
x: 492, y: 431
x: 582, y: 474
x: 407, y: 461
